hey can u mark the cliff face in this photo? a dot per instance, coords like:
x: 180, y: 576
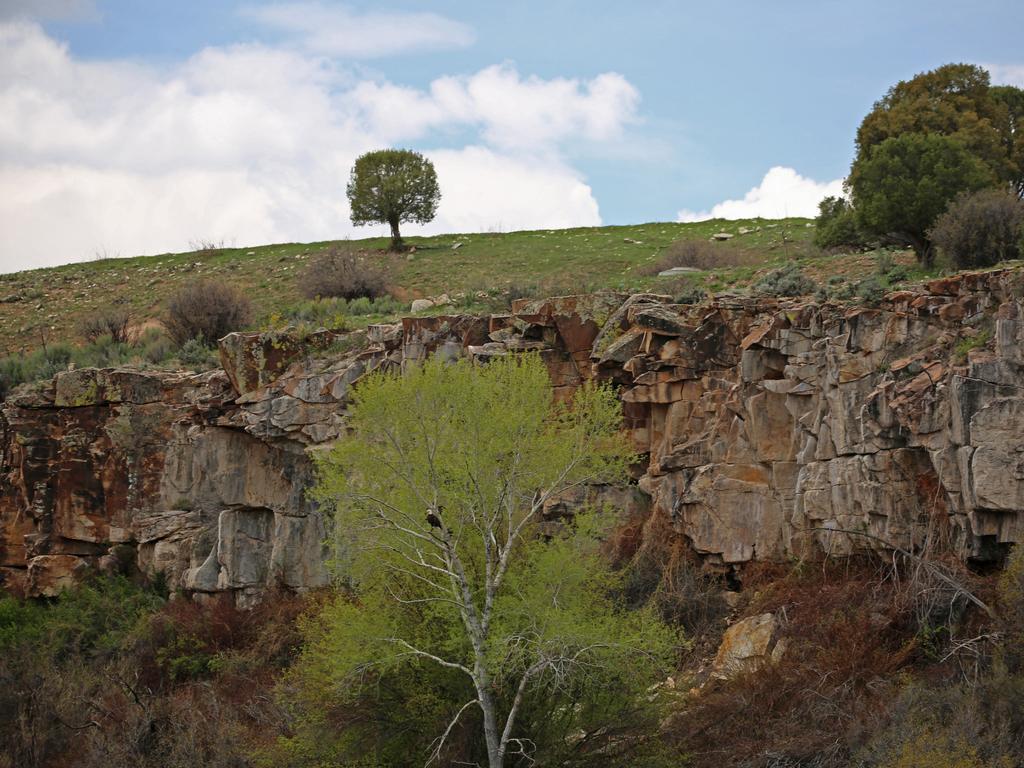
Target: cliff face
x: 764, y: 424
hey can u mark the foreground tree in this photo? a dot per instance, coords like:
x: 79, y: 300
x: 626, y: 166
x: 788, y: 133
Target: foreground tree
x: 391, y: 186
x: 464, y: 600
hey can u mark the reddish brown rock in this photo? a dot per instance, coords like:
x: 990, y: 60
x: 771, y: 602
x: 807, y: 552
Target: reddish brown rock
x: 768, y: 428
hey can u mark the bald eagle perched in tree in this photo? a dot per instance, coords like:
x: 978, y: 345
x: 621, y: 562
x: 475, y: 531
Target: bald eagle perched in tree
x: 433, y: 519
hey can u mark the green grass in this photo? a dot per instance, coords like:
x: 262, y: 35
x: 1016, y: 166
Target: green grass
x: 51, y: 302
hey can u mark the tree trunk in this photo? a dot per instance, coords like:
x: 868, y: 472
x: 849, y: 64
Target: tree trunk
x: 396, y: 238
x: 923, y: 249
x: 925, y: 252
x: 495, y: 758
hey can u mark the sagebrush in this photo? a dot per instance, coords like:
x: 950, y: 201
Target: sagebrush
x: 206, y: 310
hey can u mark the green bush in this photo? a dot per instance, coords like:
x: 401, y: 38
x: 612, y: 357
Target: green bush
x: 152, y: 348
x: 196, y: 355
x: 871, y: 290
x: 836, y: 225
x: 39, y: 364
x: 155, y: 346
x: 93, y: 619
x: 332, y: 312
x: 980, y: 229
x: 786, y: 281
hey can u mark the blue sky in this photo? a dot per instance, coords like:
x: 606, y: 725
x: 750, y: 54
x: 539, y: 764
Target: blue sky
x: 537, y: 113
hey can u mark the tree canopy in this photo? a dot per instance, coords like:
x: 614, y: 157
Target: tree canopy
x: 928, y: 139
x: 392, y: 186
x: 489, y: 631
x: 908, y: 181
x: 953, y: 100
x: 1012, y: 129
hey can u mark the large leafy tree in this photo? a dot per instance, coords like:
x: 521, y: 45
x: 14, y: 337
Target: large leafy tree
x: 909, y: 180
x: 928, y: 139
x: 392, y: 186
x: 954, y: 100
x: 1012, y: 129
x: 475, y: 629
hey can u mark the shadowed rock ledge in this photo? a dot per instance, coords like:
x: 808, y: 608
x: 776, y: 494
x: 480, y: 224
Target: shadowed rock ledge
x: 768, y: 429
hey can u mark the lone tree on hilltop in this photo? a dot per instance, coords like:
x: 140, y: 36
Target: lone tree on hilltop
x: 391, y: 186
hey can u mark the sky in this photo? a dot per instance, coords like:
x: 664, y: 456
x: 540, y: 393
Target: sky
x: 131, y: 127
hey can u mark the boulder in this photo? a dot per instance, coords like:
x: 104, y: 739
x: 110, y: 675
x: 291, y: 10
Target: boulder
x: 748, y: 645
x: 49, y: 575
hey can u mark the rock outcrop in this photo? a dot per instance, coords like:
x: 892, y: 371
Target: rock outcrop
x: 769, y: 429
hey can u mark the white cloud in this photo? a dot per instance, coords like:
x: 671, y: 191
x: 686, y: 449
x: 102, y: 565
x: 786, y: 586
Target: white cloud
x: 782, y: 192
x: 334, y: 30
x: 492, y: 191
x: 511, y: 111
x: 251, y: 144
x: 1006, y: 74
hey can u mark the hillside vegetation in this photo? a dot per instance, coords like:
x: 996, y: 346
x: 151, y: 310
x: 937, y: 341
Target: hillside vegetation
x: 46, y: 305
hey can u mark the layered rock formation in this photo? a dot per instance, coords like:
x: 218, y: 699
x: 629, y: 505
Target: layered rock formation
x: 768, y: 428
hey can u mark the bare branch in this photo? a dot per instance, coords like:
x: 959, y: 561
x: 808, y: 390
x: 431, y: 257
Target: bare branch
x: 438, y: 744
x: 932, y: 568
x: 414, y: 651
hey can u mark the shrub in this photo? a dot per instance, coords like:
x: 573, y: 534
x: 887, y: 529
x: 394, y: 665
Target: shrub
x: 871, y: 290
x: 786, y: 281
x: 836, y: 287
x: 836, y: 225
x: 797, y: 710
x: 981, y: 228
x: 39, y: 364
x: 685, y: 292
x: 700, y: 254
x: 333, y: 313
x: 977, y: 341
x: 113, y: 322
x: 952, y: 725
x: 196, y: 355
x: 1011, y: 608
x: 337, y: 273
x: 110, y: 673
x: 155, y: 347
x: 206, y: 310
x: 57, y: 662
x: 661, y: 567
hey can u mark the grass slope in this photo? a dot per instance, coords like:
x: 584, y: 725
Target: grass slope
x: 45, y: 305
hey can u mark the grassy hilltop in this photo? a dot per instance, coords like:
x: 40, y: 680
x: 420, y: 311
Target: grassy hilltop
x: 46, y: 305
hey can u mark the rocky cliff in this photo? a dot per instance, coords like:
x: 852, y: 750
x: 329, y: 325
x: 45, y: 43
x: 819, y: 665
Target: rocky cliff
x: 769, y: 429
